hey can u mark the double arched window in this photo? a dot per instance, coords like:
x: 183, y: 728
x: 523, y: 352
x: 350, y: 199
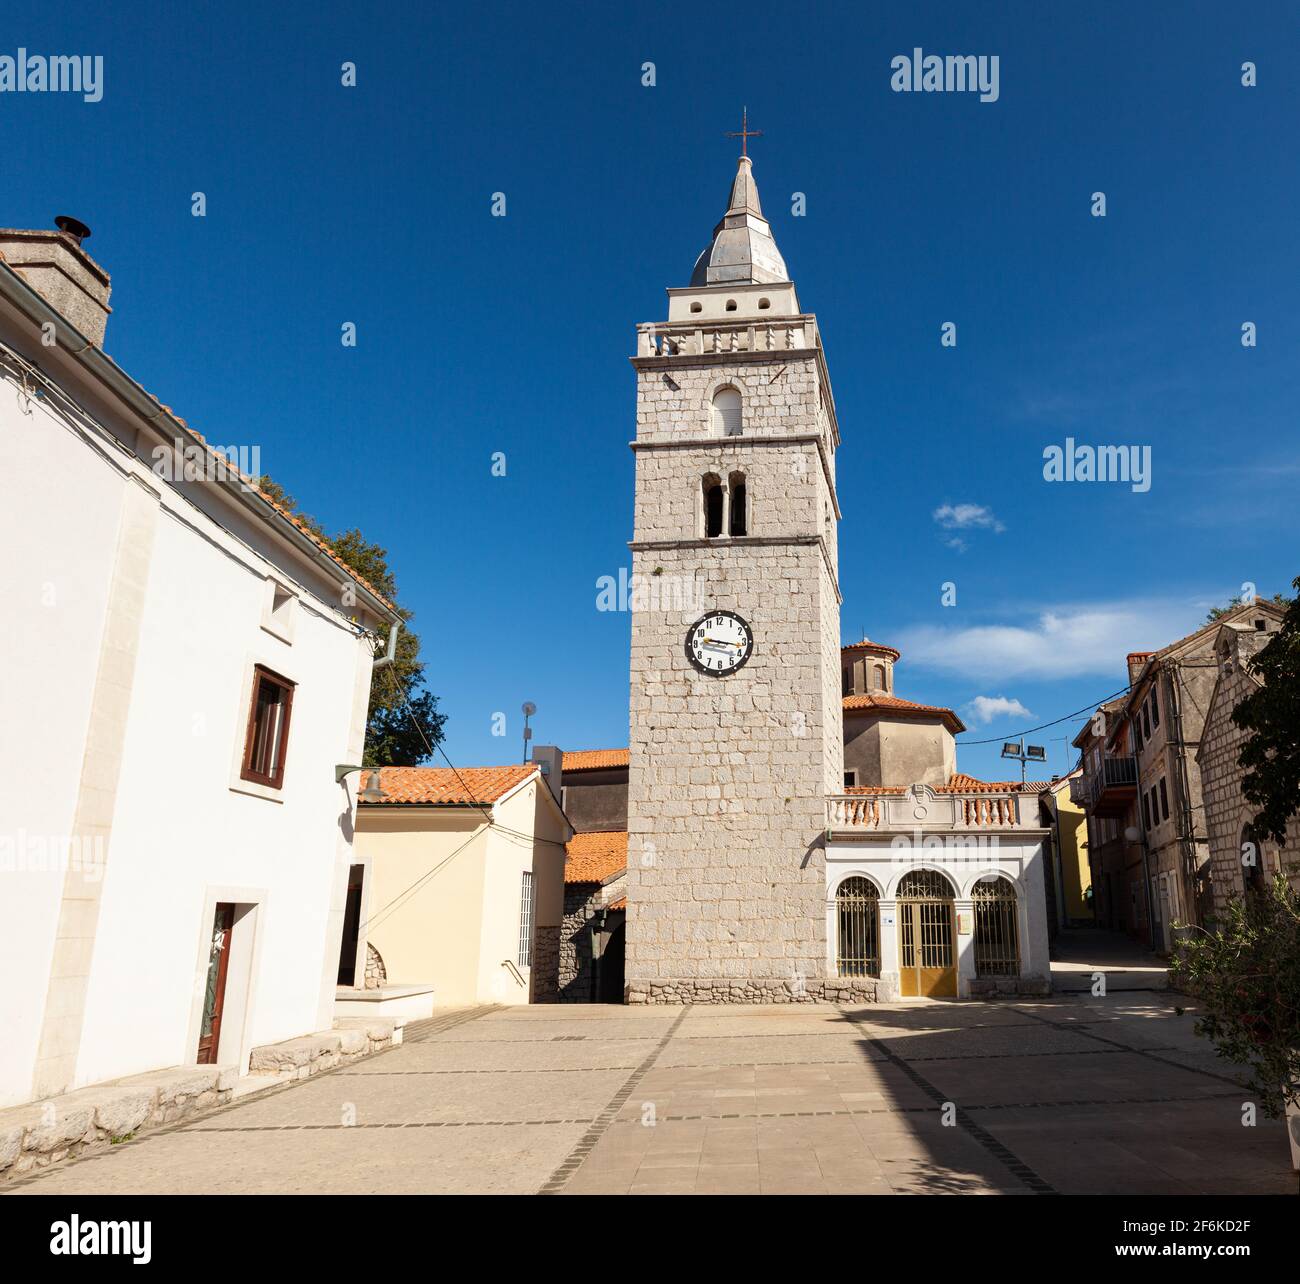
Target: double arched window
x: 725, y: 508
x: 728, y: 420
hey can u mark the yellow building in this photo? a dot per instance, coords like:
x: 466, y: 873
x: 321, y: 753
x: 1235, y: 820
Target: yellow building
x: 1074, y: 878
x: 463, y: 885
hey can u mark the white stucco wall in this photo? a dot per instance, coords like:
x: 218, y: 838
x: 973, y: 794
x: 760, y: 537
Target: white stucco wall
x: 60, y: 540
x: 182, y: 838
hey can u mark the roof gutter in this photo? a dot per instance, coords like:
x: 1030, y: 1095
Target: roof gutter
x: 93, y: 360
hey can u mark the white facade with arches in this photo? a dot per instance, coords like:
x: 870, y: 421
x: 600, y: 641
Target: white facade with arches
x: 967, y: 840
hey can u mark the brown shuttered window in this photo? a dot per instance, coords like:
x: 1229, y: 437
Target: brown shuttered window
x: 268, y: 728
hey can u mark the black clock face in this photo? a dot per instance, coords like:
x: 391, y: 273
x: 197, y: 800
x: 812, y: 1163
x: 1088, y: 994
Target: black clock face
x: 719, y: 643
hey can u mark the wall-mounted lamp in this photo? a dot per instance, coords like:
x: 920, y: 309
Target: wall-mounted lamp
x: 372, y: 793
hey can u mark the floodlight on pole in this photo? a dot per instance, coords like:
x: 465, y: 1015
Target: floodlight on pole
x: 1023, y: 754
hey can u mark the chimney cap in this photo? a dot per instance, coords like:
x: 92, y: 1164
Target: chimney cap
x: 72, y: 227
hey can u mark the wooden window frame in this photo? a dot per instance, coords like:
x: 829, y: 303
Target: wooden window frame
x: 246, y: 772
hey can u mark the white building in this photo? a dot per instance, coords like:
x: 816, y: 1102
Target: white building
x: 183, y: 667
x: 937, y: 892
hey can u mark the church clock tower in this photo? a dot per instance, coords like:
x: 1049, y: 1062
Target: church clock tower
x: 735, y: 714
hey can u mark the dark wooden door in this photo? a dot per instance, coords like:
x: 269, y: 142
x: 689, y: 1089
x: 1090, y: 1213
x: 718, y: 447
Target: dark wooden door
x: 351, y: 928
x: 214, y: 994
x: 611, y: 966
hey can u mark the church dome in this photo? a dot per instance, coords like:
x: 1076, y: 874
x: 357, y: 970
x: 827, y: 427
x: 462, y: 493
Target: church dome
x: 742, y: 251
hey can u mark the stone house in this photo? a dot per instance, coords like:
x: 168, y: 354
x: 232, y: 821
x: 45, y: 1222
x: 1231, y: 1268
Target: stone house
x: 188, y: 664
x: 595, y: 914
x: 1106, y: 790
x: 1178, y: 682
x: 1240, y: 859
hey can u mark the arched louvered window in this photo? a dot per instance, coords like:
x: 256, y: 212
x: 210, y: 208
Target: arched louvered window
x: 878, y: 676
x: 712, y: 495
x: 727, y: 421
x: 997, y: 935
x: 857, y: 913
x: 739, y: 505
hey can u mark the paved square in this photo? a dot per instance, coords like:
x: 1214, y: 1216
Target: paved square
x: 1072, y: 1095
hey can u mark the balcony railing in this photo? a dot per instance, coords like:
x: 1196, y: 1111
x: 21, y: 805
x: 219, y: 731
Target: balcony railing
x: 919, y: 807
x: 1113, y: 785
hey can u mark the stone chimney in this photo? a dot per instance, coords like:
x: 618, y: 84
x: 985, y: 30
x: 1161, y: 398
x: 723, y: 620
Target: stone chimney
x: 56, y: 266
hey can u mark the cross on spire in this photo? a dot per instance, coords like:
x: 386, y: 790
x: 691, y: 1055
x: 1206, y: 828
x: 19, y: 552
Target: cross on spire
x: 744, y: 133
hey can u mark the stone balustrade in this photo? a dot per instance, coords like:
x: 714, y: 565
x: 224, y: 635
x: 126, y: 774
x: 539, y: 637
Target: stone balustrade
x: 682, y: 339
x: 920, y: 807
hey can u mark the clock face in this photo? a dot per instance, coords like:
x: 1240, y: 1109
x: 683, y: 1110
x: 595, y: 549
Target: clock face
x: 719, y: 643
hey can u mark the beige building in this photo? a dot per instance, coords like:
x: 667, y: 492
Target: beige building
x: 888, y: 740
x: 1240, y: 859
x: 461, y: 884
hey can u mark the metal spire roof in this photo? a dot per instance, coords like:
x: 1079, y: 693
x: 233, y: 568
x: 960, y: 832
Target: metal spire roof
x: 742, y: 250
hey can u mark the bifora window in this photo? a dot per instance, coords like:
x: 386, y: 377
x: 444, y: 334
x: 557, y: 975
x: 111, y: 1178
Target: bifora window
x: 526, y: 920
x: 857, y: 906
x: 268, y: 728
x: 997, y: 937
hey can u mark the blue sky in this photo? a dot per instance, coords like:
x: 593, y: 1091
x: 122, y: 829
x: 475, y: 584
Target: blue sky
x: 478, y: 334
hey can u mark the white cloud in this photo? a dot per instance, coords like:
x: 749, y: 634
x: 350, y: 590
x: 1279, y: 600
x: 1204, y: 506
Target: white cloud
x: 967, y: 517
x: 985, y: 709
x: 1056, y: 642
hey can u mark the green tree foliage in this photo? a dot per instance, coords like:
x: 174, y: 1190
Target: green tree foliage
x: 1271, y: 718
x: 1247, y: 975
x: 403, y: 725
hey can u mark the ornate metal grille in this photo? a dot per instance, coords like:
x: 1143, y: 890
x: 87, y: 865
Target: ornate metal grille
x: 857, y: 906
x: 997, y: 936
x: 928, y: 933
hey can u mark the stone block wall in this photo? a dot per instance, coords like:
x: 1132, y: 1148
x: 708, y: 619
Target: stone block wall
x: 728, y: 775
x: 582, y: 902
x: 1226, y: 811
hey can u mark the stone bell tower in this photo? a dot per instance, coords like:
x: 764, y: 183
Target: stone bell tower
x: 736, y: 725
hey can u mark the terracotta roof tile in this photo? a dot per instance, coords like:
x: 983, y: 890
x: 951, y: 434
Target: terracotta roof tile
x: 961, y: 783
x: 444, y: 787
x: 872, y: 648
x: 620, y: 904
x: 593, y: 857
x: 903, y: 708
x: 594, y: 759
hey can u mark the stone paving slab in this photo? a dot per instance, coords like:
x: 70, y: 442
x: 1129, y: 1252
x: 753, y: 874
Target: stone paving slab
x: 532, y: 1096
x: 344, y: 1161
x: 1071, y: 1095
x: 449, y: 1056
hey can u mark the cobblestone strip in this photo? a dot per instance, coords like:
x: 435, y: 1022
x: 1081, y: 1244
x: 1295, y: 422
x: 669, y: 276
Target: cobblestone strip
x: 1149, y: 1053
x: 403, y: 1123
x: 423, y: 1031
x: 1104, y: 1103
x: 990, y: 1143
x: 560, y: 1177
